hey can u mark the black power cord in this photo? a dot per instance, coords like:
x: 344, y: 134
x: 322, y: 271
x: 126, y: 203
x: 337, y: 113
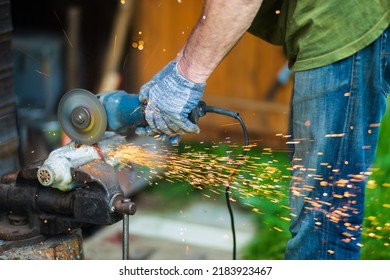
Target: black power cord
x: 202, y: 109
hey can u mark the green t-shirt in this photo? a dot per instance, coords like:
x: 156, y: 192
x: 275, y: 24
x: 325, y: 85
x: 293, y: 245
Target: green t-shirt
x: 317, y: 33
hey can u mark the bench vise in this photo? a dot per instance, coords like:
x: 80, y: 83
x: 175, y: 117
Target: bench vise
x: 46, y: 201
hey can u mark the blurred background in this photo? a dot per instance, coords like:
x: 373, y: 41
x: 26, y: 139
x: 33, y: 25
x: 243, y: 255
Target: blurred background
x: 107, y: 45
x: 51, y: 46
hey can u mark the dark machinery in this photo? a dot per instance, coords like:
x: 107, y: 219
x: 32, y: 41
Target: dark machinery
x: 44, y: 206
x: 34, y: 216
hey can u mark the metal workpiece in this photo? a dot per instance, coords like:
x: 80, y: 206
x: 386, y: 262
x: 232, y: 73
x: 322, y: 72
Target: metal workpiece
x: 56, y: 171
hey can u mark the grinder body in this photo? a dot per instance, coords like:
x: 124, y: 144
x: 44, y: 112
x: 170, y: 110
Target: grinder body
x: 123, y: 109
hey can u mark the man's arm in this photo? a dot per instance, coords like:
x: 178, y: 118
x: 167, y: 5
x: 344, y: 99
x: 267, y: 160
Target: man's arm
x: 220, y: 26
x: 176, y: 90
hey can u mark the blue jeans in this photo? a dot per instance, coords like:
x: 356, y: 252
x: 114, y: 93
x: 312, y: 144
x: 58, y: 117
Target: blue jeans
x: 336, y: 111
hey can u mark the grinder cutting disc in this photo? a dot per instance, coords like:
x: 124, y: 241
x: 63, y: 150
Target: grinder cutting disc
x: 82, y: 116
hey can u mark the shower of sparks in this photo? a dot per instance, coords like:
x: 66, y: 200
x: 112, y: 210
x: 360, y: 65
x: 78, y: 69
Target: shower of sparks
x: 63, y: 29
x: 138, y: 45
x: 205, y: 170
x: 41, y: 73
x: 251, y: 177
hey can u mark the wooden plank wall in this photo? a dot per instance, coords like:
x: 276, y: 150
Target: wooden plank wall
x: 240, y: 83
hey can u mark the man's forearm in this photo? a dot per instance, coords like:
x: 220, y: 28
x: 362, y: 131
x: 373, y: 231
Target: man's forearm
x: 220, y: 26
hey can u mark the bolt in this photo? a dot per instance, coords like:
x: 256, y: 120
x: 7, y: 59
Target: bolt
x: 125, y: 206
x: 132, y: 208
x: 80, y: 117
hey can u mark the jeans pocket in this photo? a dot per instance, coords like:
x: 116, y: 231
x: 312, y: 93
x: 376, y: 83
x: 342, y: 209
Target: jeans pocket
x: 385, y: 62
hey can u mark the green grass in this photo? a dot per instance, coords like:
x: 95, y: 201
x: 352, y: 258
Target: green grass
x: 376, y: 239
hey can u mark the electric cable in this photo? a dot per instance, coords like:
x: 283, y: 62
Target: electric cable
x: 236, y: 116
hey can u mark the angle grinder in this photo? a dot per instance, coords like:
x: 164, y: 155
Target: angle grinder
x: 85, y: 116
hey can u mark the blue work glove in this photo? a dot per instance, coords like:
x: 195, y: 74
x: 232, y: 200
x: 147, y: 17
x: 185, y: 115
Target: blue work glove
x: 144, y: 97
x: 169, y: 99
x: 145, y: 89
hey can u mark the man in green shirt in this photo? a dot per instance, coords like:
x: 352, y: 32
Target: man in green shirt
x: 340, y: 54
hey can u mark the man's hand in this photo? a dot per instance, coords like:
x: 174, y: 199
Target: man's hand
x: 145, y: 89
x: 169, y: 99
